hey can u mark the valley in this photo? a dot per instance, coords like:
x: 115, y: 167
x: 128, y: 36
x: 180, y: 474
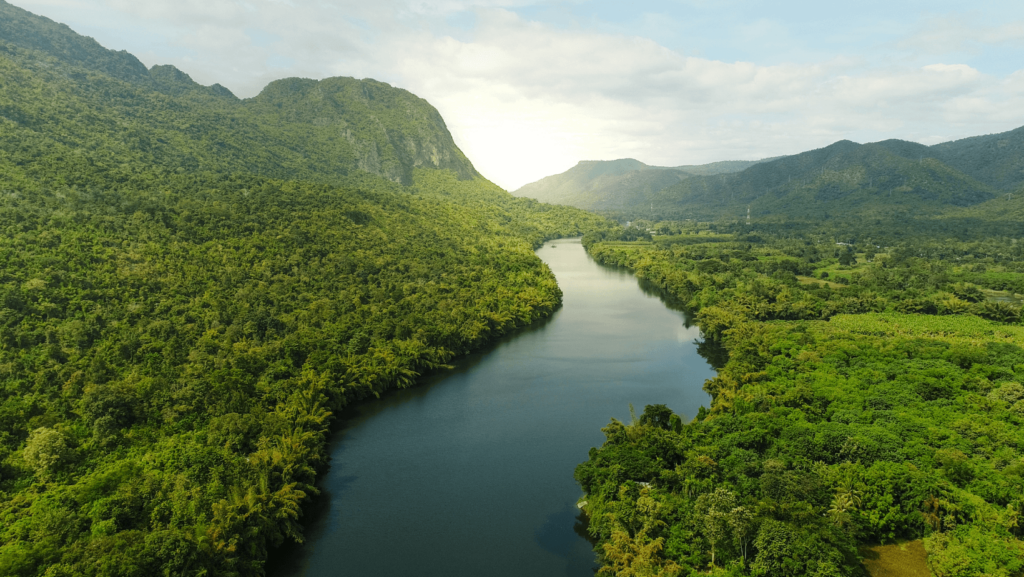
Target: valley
x: 299, y: 333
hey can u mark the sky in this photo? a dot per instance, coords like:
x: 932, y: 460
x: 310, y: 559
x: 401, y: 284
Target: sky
x: 529, y: 88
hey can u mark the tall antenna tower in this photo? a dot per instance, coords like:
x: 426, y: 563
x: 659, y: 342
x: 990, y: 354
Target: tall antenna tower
x: 748, y: 214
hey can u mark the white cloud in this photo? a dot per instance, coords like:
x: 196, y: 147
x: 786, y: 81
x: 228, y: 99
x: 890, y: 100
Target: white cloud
x: 528, y: 101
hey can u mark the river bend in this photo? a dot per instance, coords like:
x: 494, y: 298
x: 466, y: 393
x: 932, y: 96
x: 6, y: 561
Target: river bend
x: 470, y: 473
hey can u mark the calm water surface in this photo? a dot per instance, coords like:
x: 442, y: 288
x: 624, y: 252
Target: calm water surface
x: 471, y: 473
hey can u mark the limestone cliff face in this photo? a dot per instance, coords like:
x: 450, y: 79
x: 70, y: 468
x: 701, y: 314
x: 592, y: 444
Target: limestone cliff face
x: 368, y: 124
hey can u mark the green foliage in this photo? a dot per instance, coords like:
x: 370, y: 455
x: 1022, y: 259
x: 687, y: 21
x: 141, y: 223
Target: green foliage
x: 191, y: 285
x: 205, y: 331
x: 729, y: 281
x: 838, y: 418
x: 45, y: 450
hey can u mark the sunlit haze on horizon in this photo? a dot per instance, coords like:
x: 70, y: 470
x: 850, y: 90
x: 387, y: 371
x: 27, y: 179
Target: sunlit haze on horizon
x: 530, y: 88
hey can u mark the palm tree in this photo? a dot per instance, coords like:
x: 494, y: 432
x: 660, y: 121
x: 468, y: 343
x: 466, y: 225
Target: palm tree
x: 839, y: 514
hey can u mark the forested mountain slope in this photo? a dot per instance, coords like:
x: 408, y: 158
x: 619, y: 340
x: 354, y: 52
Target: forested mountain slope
x: 190, y: 284
x: 995, y: 159
x: 616, y: 184
x: 846, y: 182
x: 107, y: 105
x: 840, y: 180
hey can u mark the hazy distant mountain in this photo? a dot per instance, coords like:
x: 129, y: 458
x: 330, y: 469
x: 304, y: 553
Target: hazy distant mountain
x: 843, y: 179
x: 883, y: 180
x: 617, y: 184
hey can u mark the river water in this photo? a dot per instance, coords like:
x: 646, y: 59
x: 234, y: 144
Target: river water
x: 470, y: 473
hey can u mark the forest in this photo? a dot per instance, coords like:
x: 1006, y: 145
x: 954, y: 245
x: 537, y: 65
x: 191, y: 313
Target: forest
x: 870, y: 394
x: 192, y: 285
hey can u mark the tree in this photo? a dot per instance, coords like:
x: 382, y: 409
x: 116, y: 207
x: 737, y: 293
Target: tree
x: 774, y: 543
x: 741, y: 521
x: 45, y: 451
x: 715, y: 511
x: 636, y: 556
x: 675, y: 423
x: 839, y: 511
x: 657, y: 416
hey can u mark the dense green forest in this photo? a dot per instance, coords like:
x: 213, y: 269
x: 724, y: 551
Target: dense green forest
x: 191, y: 284
x: 869, y: 394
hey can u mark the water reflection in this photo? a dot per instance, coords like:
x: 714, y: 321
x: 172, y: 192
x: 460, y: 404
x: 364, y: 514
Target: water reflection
x: 711, y: 350
x: 553, y: 537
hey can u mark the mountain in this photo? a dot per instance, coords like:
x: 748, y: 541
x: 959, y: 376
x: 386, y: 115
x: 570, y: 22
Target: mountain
x: 596, y: 184
x: 883, y: 181
x: 995, y: 159
x: 192, y: 284
x: 616, y: 184
x: 294, y: 128
x: 841, y: 180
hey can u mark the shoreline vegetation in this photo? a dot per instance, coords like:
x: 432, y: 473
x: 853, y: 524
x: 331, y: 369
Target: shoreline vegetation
x: 171, y: 364
x: 191, y: 284
x: 884, y: 407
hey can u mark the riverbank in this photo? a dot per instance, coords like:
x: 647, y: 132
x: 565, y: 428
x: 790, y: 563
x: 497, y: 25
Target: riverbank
x: 471, y: 471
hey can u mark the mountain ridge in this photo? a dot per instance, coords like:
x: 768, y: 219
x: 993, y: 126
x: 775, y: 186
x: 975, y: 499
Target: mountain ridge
x: 613, y: 184
x: 889, y: 179
x: 320, y: 129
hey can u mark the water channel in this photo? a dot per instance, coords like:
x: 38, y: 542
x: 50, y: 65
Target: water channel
x: 470, y: 473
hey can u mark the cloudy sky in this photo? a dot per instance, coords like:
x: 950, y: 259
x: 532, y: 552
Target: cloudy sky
x: 528, y: 88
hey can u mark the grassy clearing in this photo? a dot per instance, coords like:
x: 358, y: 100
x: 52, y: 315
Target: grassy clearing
x: 1003, y: 296
x: 952, y: 328
x: 628, y: 243
x: 819, y: 282
x: 901, y: 560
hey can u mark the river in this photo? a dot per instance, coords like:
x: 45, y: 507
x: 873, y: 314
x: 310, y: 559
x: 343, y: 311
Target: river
x: 470, y: 473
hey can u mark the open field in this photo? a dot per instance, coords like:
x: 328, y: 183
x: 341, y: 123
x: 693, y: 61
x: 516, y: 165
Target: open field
x: 901, y: 560
x: 819, y: 282
x: 946, y: 327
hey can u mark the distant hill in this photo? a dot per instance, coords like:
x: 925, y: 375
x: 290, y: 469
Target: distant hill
x: 884, y: 181
x: 995, y: 159
x: 840, y: 180
x: 617, y: 184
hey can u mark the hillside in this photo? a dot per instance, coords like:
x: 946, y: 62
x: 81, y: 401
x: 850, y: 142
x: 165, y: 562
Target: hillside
x: 995, y: 159
x: 843, y: 180
x: 616, y: 184
x: 846, y: 183
x: 191, y: 284
x: 107, y: 105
